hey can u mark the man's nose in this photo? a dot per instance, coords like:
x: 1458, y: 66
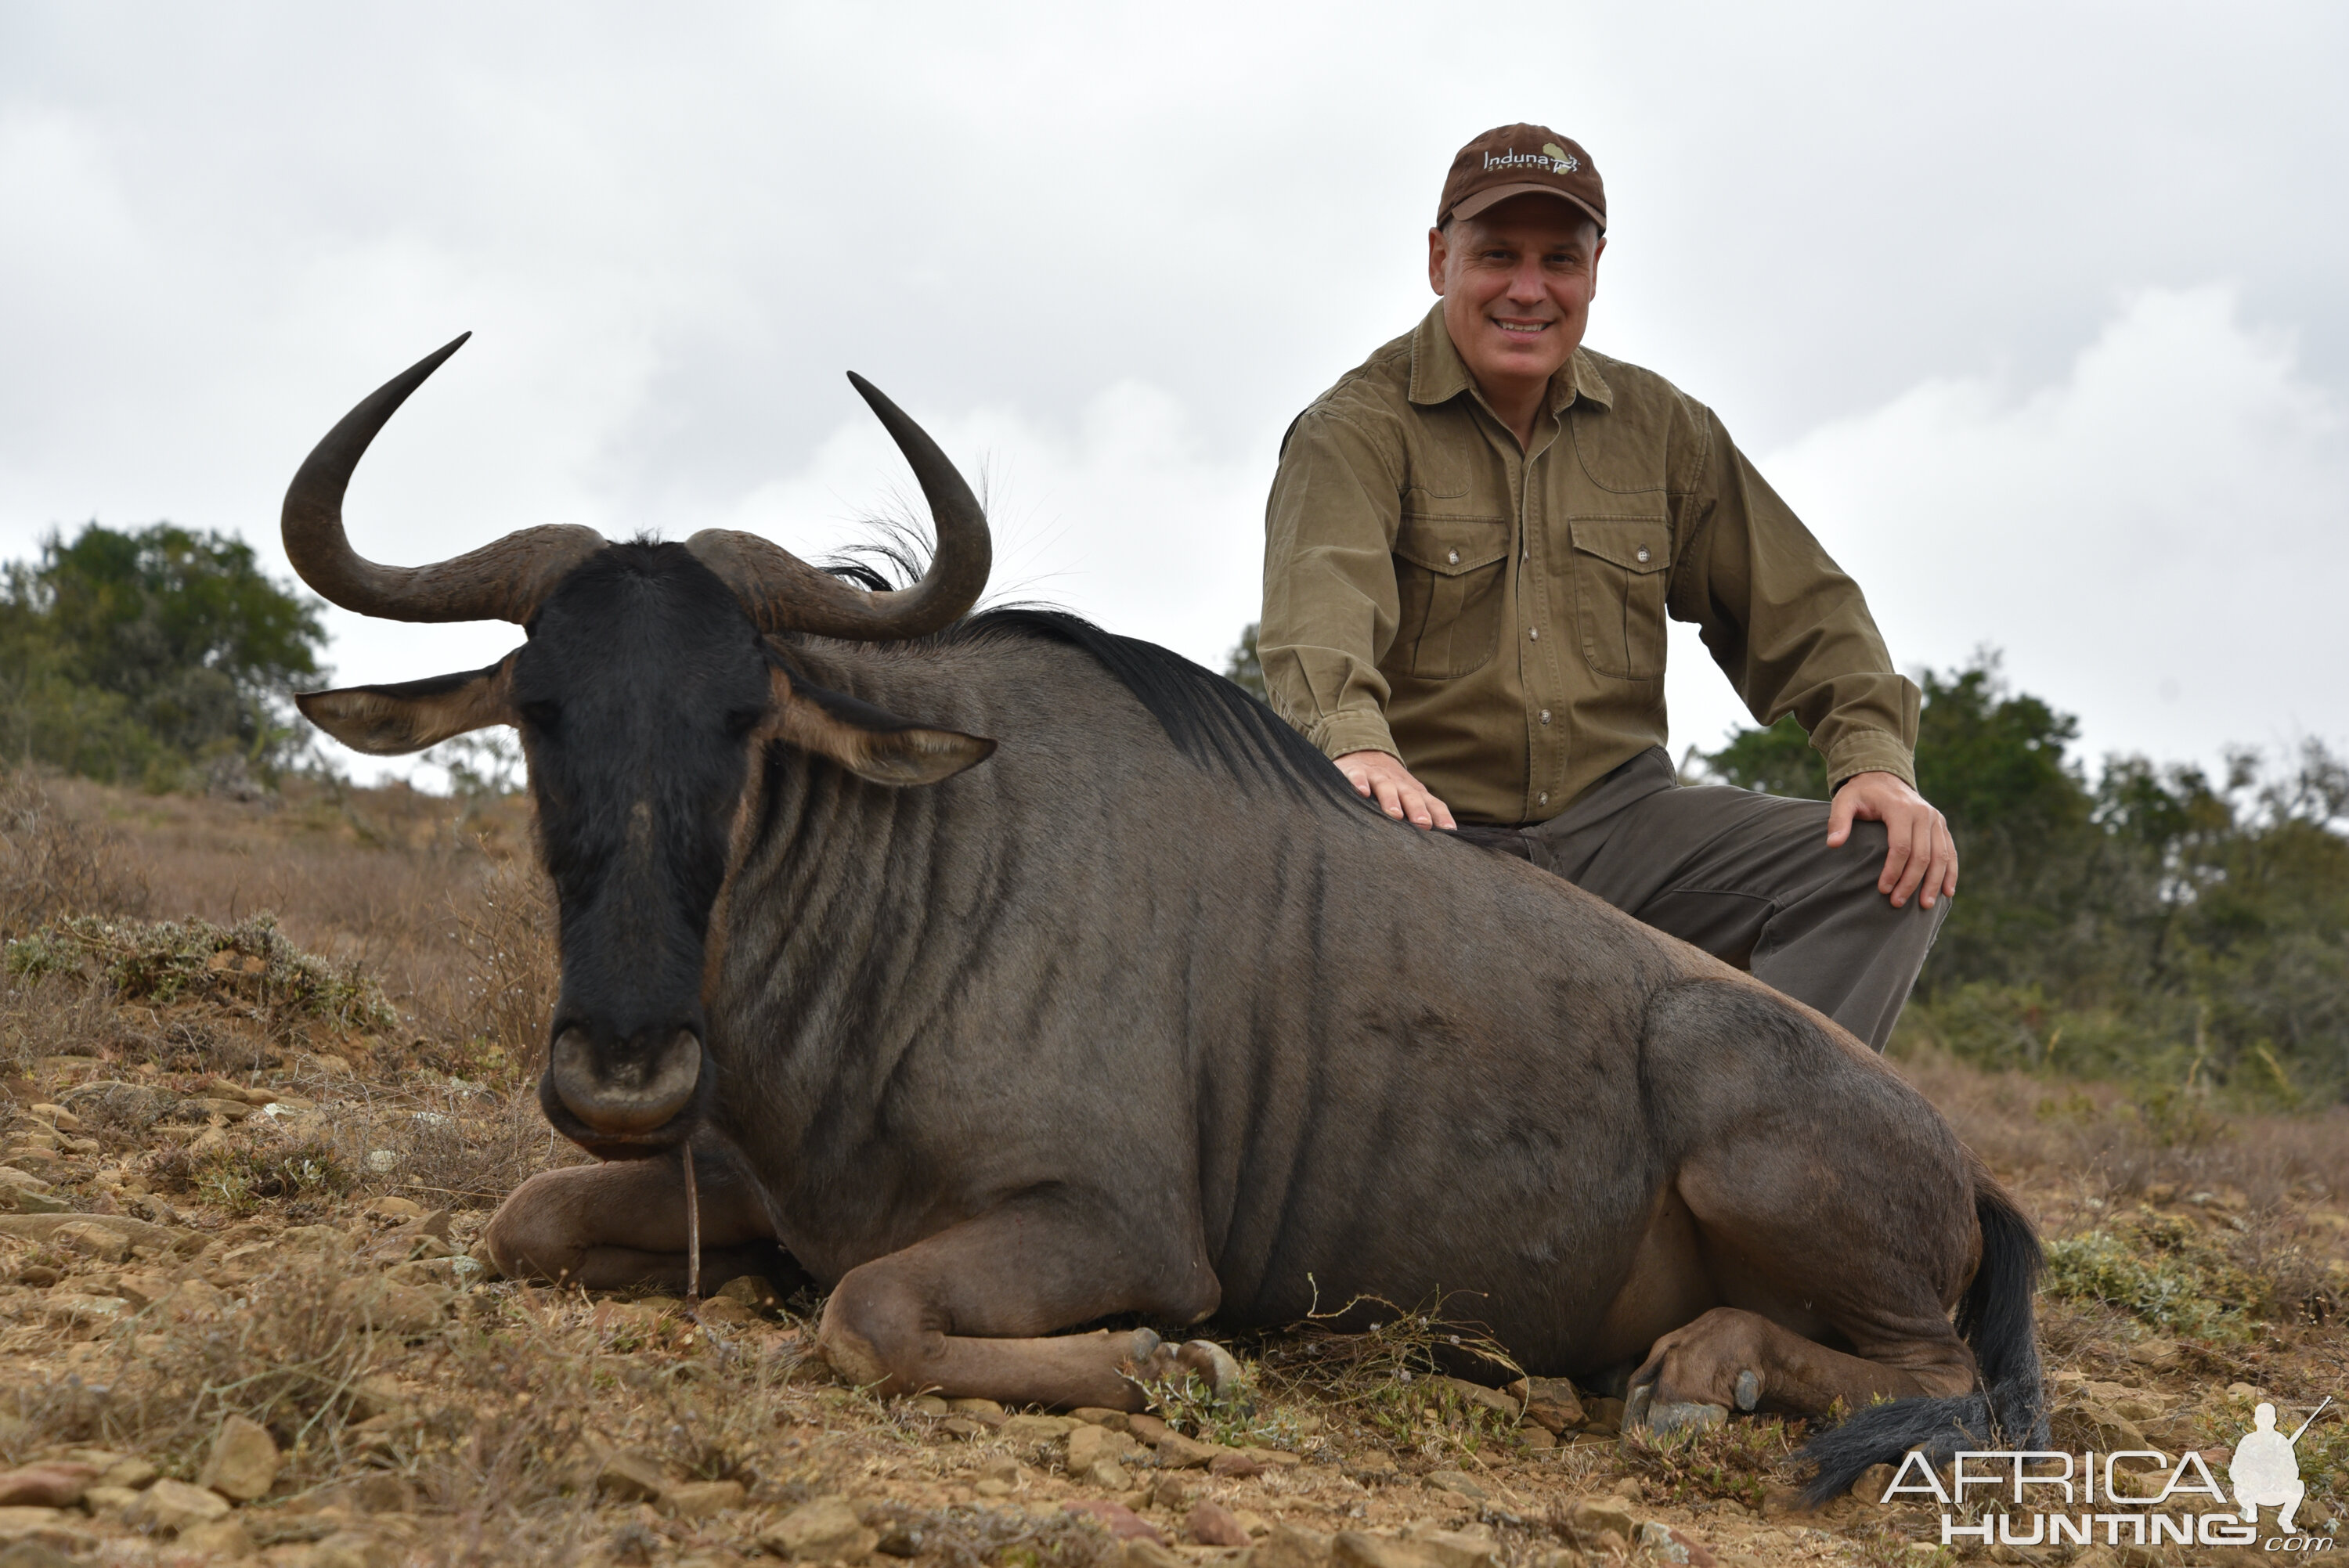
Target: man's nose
x: 1527, y: 283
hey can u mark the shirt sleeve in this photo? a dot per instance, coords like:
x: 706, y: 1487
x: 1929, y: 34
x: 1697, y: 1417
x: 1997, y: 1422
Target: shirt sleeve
x: 1330, y: 605
x: 1786, y: 625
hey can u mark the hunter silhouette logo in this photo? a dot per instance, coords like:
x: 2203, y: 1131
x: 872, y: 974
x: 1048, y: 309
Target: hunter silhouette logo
x: 1564, y: 161
x: 2265, y: 1470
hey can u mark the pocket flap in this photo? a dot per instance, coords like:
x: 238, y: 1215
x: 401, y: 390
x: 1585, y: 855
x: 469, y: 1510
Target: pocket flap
x: 1632, y: 544
x: 1449, y: 546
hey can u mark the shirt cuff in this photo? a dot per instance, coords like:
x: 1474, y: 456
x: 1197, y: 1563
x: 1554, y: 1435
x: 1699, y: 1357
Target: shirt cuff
x: 1354, y: 730
x: 1870, y: 754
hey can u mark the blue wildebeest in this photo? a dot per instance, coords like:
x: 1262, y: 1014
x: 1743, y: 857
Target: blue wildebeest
x: 1011, y: 976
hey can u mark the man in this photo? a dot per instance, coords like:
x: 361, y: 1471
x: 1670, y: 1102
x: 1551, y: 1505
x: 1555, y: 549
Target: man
x: 1472, y: 541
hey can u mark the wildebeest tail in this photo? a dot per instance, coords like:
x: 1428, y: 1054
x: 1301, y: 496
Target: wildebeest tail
x: 2007, y: 1410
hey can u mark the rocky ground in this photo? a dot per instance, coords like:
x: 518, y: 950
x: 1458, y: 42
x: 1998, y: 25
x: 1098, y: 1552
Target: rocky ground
x: 244, y: 1315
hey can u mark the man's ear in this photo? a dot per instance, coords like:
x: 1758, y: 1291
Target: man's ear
x: 870, y: 742
x: 390, y: 721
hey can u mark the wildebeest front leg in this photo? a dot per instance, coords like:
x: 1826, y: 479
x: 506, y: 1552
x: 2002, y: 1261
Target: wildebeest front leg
x: 1730, y: 1359
x: 970, y: 1312
x: 617, y: 1225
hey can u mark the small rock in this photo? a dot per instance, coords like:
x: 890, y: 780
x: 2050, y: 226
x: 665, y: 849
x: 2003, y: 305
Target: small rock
x: 1362, y: 1548
x: 104, y: 1243
x: 18, y: 1523
x: 825, y: 1530
x: 717, y: 1312
x: 391, y: 1306
x: 1106, y: 1475
x: 1604, y: 1416
x: 1177, y: 1452
x: 354, y: 1549
x: 1035, y: 1428
x: 222, y: 1540
x: 243, y: 1463
x: 172, y: 1505
x: 130, y: 1471
x: 1095, y: 1416
x: 1291, y: 1546
x: 1590, y: 1518
x: 631, y: 1476
x: 1212, y: 1525
x: 1551, y: 1403
x: 751, y: 1291
x: 1477, y: 1395
x: 56, y: 1484
x: 393, y: 1209
x: 21, y: 1202
x: 1089, y: 1445
x: 1119, y: 1519
x: 56, y: 1116
x: 1536, y: 1437
x: 986, y: 1412
x: 104, y: 1500
x: 1457, y: 1548
x: 34, y: 1553
x: 1872, y: 1483
x: 23, y: 1180
x: 1670, y: 1545
x: 703, y: 1498
x: 73, y: 1307
x: 1460, y: 1481
x: 313, y: 1239
x: 1144, y: 1554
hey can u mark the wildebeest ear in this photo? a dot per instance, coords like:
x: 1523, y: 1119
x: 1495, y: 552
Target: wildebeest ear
x: 389, y: 720
x: 870, y: 742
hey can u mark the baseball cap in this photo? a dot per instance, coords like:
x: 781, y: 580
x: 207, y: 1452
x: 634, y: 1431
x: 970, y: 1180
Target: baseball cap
x: 1521, y: 160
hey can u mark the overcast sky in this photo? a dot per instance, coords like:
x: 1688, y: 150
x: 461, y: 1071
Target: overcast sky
x: 2034, y: 312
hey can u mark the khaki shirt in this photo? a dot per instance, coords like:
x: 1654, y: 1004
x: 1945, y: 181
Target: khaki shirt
x: 1495, y: 618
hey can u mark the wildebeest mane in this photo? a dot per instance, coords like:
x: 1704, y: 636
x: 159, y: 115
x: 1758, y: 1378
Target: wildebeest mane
x: 1213, y: 722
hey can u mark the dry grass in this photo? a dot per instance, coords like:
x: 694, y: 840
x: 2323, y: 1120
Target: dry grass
x: 392, y: 1025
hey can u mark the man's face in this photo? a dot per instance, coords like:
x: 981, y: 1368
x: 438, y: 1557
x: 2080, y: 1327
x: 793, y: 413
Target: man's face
x: 1517, y: 280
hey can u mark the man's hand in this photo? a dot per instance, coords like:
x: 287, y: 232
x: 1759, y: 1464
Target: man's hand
x: 1922, y: 855
x: 1383, y: 779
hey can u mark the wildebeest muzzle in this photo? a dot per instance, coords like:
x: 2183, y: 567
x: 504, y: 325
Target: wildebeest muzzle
x: 627, y: 1102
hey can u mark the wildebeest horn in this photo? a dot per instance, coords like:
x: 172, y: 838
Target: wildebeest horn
x: 783, y: 593
x: 500, y: 581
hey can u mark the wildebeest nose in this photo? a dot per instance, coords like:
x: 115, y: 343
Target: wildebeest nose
x: 630, y: 1095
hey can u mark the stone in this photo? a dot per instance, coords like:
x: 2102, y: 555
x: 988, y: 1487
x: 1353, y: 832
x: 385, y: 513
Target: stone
x: 56, y: 1116
x: 1177, y: 1452
x: 1457, y: 1548
x: 1291, y: 1546
x: 313, y: 1239
x: 1211, y: 1524
x: 222, y: 1540
x: 59, y: 1484
x: 129, y: 1470
x: 1034, y: 1428
x: 1362, y: 1548
x: 73, y: 1307
x: 1666, y: 1544
x: 31, y: 1554
x: 93, y: 1240
x: 243, y: 1463
x: 631, y: 1476
x: 717, y: 1312
x: 1477, y: 1396
x: 1142, y: 1554
x: 1604, y: 1416
x: 1873, y: 1483
x: 2109, y: 1431
x: 1089, y: 1445
x: 703, y: 1498
x: 751, y: 1292
x: 23, y: 1180
x: 1551, y: 1403
x: 1120, y: 1520
x: 1590, y: 1518
x: 1536, y: 1437
x: 825, y: 1531
x: 18, y: 1522
x: 102, y: 1498
x: 393, y: 1209
x: 172, y: 1505
x: 391, y: 1306
x: 19, y: 1201
x: 1095, y: 1416
x: 354, y: 1549
x: 1106, y: 1475
x: 1460, y: 1481
x: 144, y: 1290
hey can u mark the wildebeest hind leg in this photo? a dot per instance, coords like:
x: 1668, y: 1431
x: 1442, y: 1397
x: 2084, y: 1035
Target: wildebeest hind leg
x: 622, y: 1224
x: 1734, y: 1359
x: 970, y: 1312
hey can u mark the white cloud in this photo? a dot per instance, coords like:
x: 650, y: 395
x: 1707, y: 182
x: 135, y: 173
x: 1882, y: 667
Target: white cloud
x: 2157, y: 540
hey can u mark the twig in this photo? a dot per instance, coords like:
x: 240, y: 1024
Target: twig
x: 692, y: 1229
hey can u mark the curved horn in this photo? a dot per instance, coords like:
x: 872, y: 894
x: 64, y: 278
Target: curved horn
x: 783, y: 593
x: 500, y: 581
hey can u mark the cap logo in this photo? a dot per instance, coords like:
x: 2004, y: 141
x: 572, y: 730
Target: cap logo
x: 1560, y: 159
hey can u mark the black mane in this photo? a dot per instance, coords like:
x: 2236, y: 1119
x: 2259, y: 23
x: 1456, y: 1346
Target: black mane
x: 1212, y: 721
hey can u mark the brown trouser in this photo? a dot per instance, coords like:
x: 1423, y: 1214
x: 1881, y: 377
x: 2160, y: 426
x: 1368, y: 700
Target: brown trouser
x: 1750, y: 879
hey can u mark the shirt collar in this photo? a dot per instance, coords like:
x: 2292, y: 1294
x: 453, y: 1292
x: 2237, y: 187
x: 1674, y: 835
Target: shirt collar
x: 1438, y: 374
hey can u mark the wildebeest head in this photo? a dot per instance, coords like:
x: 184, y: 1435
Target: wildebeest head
x: 646, y: 683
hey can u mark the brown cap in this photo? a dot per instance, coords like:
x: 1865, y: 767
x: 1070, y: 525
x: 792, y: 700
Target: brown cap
x: 1521, y: 160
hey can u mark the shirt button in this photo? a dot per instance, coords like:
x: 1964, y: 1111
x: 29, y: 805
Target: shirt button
x: 1543, y: 799
x: 1454, y: 558
x: 1534, y: 632
x: 1545, y: 716
x: 1643, y: 553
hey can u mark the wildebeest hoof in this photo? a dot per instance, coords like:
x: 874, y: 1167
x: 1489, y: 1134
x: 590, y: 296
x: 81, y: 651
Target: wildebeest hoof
x: 1665, y: 1417
x: 1749, y: 1391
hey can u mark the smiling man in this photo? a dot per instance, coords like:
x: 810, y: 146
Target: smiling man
x: 1473, y: 543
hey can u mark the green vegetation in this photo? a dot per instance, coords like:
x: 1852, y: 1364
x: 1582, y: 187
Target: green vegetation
x: 249, y: 967
x: 151, y: 658
x: 2154, y: 923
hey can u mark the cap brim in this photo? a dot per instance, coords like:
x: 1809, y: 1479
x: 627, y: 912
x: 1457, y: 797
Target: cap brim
x: 1469, y: 206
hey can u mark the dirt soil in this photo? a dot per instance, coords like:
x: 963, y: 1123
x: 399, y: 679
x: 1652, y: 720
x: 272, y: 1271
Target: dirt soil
x: 269, y: 1068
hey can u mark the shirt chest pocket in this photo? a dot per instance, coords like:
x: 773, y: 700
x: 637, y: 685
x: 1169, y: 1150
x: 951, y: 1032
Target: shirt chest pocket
x: 1449, y: 581
x: 1621, y: 566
